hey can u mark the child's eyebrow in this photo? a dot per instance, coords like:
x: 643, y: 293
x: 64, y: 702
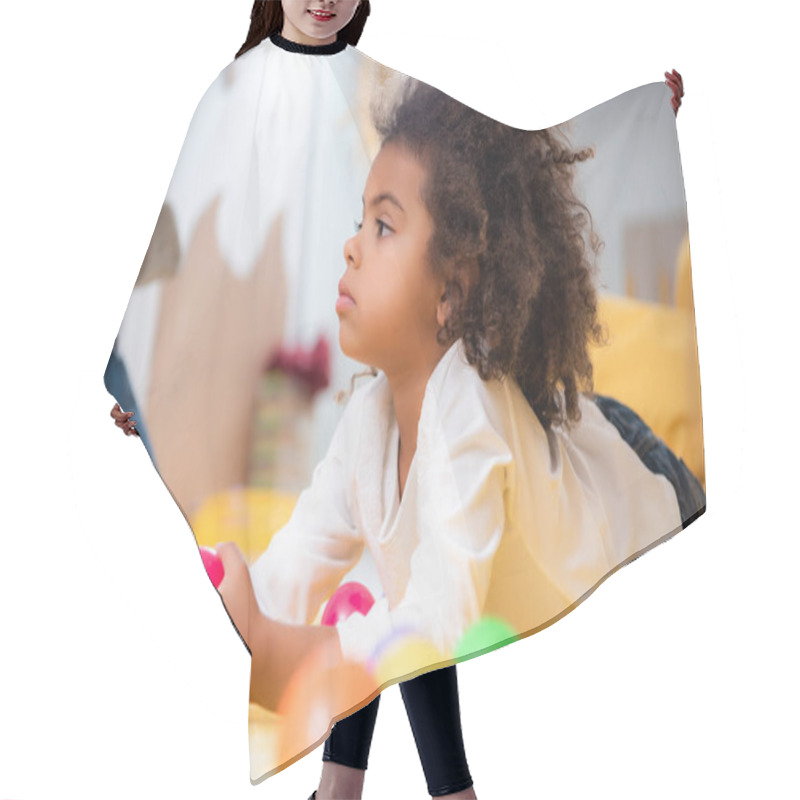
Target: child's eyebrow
x: 384, y: 196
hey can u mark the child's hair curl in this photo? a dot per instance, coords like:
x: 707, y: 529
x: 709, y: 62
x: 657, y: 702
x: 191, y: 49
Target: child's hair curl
x: 510, y: 241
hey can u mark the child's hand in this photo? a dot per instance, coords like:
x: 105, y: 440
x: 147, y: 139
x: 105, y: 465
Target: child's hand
x: 675, y: 82
x: 123, y: 420
x: 236, y: 589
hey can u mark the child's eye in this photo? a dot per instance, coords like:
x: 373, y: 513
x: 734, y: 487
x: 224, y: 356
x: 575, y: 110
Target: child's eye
x: 379, y: 222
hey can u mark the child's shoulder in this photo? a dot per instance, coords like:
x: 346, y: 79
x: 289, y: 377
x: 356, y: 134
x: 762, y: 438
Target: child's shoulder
x: 369, y: 390
x: 361, y: 406
x: 470, y: 417
x: 458, y: 387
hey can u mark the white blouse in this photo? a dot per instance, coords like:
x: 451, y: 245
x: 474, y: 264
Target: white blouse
x: 497, y: 517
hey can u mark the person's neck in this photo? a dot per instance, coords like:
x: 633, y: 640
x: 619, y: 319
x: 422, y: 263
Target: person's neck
x: 331, y: 47
x: 294, y: 34
x: 408, y: 391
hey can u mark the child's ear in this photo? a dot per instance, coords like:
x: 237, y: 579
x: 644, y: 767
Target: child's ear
x: 468, y: 276
x: 443, y: 308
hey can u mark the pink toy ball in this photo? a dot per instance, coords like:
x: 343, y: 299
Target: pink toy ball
x: 213, y: 564
x: 349, y: 597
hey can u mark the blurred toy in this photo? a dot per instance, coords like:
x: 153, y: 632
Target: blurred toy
x: 213, y: 565
x: 349, y: 597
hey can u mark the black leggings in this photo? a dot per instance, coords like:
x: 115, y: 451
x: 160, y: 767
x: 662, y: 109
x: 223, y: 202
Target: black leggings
x: 431, y: 701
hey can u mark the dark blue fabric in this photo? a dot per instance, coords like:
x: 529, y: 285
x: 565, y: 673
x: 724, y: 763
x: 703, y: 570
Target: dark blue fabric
x: 431, y: 701
x: 117, y: 384
x: 655, y: 454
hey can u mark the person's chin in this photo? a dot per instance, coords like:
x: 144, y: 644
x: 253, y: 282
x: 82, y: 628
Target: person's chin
x: 346, y: 344
x: 351, y: 346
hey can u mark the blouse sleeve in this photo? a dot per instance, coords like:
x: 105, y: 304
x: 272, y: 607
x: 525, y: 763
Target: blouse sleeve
x: 308, y: 557
x: 461, y: 518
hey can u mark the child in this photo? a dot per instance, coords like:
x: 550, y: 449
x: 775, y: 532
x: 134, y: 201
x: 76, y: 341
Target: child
x: 479, y: 449
x: 408, y: 404
x: 431, y: 699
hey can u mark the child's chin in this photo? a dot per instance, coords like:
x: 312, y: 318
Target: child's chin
x: 349, y: 347
x: 346, y: 344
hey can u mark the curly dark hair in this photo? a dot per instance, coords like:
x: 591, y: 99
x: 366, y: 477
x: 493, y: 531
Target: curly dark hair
x: 266, y: 18
x: 510, y: 240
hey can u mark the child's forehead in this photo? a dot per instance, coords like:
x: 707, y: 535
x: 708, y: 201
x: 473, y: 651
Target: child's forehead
x: 394, y: 178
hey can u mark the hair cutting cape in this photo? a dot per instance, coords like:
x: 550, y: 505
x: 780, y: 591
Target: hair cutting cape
x: 229, y: 355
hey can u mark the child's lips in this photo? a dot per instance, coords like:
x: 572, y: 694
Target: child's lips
x: 321, y: 15
x: 344, y: 301
x: 344, y: 291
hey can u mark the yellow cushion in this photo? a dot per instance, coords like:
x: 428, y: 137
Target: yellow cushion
x: 650, y: 364
x: 684, y: 296
x: 248, y: 516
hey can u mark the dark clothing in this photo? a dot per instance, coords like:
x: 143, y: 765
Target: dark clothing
x: 431, y: 699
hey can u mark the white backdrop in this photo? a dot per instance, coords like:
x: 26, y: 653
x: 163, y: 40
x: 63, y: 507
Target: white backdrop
x: 120, y: 673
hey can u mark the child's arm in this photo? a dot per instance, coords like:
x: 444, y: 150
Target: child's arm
x: 273, y: 602
x: 276, y: 649
x: 307, y: 558
x: 460, y: 524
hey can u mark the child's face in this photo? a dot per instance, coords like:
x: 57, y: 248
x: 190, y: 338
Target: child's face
x: 300, y: 20
x: 397, y: 304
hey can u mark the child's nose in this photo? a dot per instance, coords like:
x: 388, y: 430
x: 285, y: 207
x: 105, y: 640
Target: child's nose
x: 350, y: 251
